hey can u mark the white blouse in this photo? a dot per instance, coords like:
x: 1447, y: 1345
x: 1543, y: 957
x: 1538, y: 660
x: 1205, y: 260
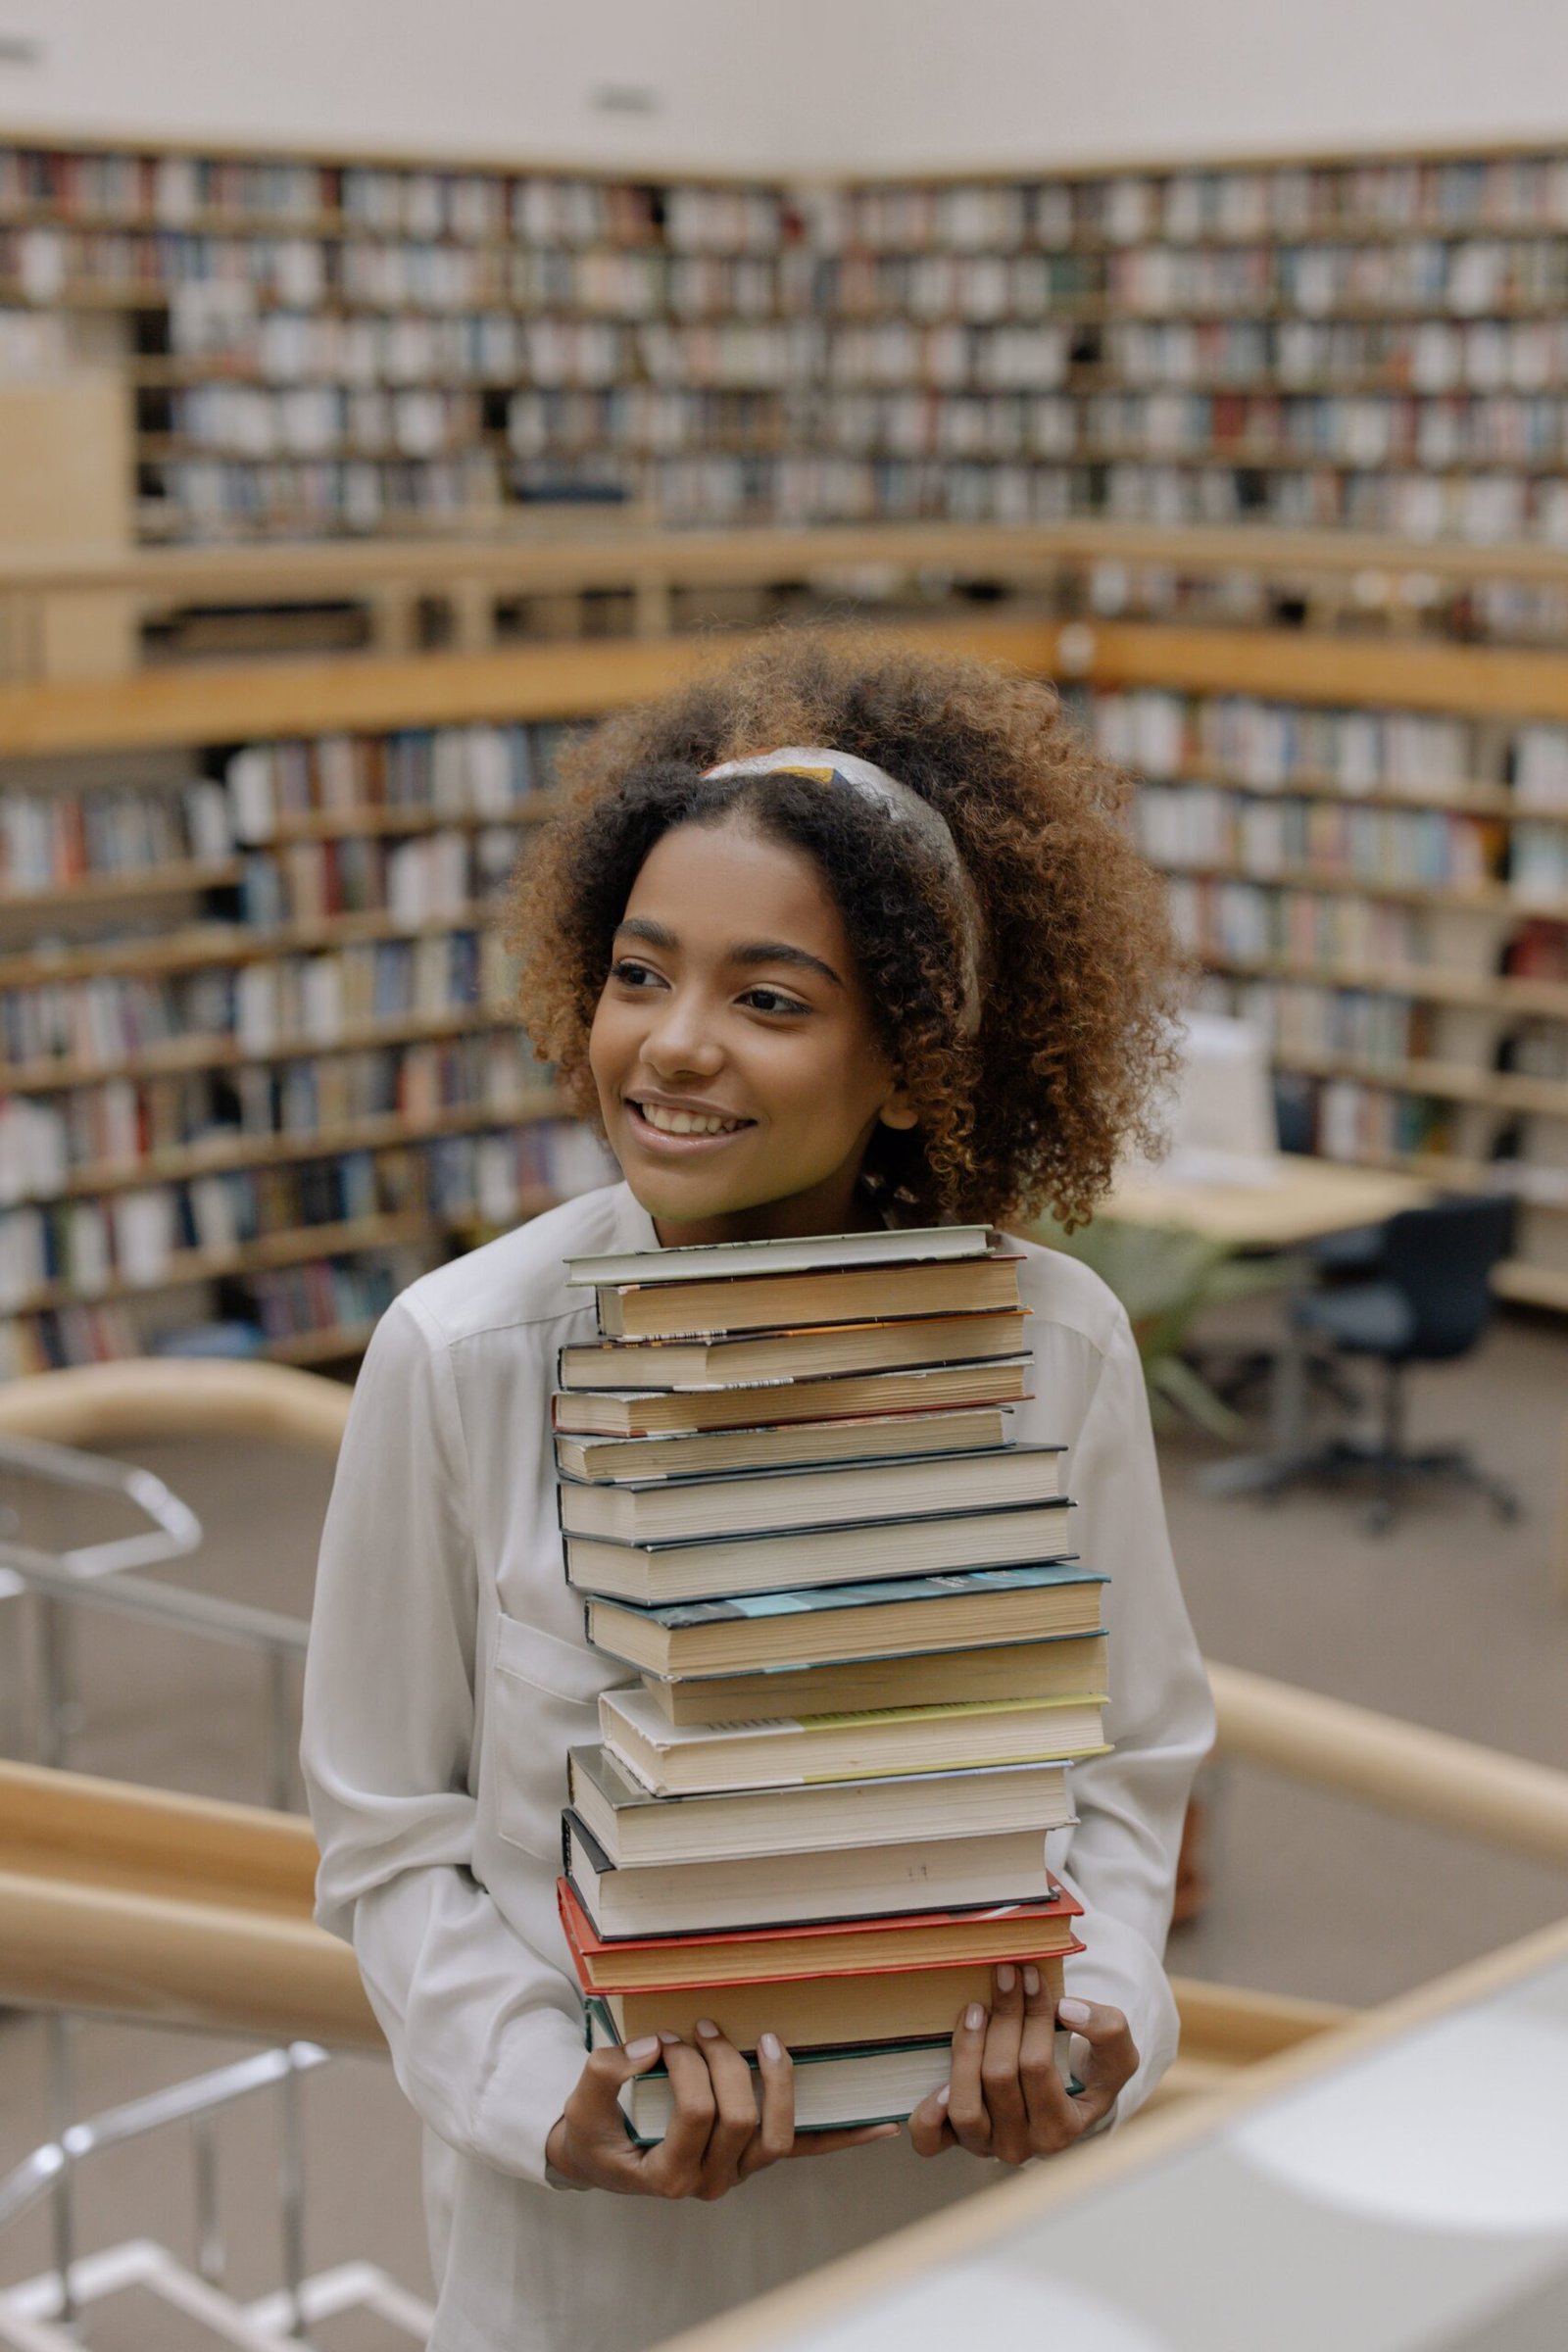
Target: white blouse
x: 448, y: 1676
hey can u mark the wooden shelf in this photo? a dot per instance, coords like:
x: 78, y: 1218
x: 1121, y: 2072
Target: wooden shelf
x: 177, y: 1056
x: 346, y: 824
x: 177, y: 877
x: 1497, y: 1090
x: 1427, y: 984
x: 177, y: 1165
x: 227, y: 944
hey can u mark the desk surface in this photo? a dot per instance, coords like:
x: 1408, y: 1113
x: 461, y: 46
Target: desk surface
x: 1311, y: 1197
x: 1398, y: 2185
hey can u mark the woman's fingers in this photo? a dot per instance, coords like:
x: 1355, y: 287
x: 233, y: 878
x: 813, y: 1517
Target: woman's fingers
x: 1112, y: 2056
x: 967, y: 2118
x: 775, y: 2071
x: 1000, y: 2086
x: 676, y: 2163
x: 735, y: 2120
x: 1053, y: 2122
x: 929, y: 2129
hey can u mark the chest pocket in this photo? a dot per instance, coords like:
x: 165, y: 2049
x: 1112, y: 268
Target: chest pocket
x: 543, y: 1699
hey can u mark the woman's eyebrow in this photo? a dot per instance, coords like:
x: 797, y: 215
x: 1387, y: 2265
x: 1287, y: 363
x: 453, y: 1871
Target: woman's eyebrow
x: 750, y: 951
x: 776, y: 950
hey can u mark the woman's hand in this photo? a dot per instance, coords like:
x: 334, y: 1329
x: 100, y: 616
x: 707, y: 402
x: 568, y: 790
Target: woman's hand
x: 717, y: 2137
x: 1006, y: 2099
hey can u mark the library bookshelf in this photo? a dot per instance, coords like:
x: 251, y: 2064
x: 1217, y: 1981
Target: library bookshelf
x: 281, y: 1060
x: 328, y: 344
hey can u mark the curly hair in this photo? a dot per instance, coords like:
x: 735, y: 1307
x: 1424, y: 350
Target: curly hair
x: 1080, y: 974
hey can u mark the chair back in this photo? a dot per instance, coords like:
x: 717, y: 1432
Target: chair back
x: 1440, y: 1258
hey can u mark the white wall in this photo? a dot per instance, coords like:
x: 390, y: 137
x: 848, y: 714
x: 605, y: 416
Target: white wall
x: 813, y: 84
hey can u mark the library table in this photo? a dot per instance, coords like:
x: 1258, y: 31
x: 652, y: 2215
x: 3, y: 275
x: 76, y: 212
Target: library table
x: 1291, y: 1201
x: 1397, y: 2184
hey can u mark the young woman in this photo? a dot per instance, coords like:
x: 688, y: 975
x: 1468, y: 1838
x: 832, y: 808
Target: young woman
x: 841, y: 936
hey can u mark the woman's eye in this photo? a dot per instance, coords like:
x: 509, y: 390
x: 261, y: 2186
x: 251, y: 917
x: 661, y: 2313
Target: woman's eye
x: 774, y: 1000
x: 631, y: 974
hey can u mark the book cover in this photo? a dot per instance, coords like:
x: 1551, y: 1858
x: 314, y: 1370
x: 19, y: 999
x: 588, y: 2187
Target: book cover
x: 796, y: 1253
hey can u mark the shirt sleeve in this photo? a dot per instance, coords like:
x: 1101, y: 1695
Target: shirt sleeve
x: 485, y: 2034
x: 1131, y: 1803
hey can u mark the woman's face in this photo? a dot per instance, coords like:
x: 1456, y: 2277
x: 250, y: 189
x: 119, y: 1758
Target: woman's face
x: 738, y: 1067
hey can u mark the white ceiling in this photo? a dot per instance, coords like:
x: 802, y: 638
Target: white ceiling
x: 812, y: 86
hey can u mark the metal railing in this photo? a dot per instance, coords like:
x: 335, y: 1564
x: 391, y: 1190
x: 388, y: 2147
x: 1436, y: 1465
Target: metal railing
x: 103, y: 1576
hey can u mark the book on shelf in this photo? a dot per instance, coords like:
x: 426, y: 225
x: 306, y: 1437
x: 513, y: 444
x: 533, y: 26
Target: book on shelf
x: 930, y: 1543
x: 815, y: 1352
x: 873, y: 2082
x: 635, y: 1413
x: 891, y: 1998
x: 847, y: 1882
x: 634, y: 1827
x: 1056, y: 1668
x: 825, y: 1625
x: 789, y: 1497
x: 777, y: 1445
x: 780, y: 1751
x: 640, y: 1270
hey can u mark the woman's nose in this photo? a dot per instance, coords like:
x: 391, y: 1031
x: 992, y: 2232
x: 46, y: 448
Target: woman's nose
x: 682, y: 1039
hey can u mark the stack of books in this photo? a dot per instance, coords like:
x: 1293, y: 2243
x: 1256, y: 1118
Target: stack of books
x: 792, y: 1501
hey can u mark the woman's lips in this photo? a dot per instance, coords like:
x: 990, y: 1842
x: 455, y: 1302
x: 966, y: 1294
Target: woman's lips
x: 660, y: 1139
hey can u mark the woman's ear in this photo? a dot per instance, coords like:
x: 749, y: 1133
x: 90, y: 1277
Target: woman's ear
x: 898, y: 1111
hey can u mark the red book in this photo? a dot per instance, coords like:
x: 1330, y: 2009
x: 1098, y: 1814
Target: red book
x: 918, y: 1939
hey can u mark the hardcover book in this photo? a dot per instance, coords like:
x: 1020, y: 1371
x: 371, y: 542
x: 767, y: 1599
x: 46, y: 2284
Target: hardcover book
x: 1040, y: 1669
x: 634, y: 1827
x: 802, y: 1253
x: 848, y: 1881
x: 745, y: 1632
x: 878, y: 1437
x: 784, y: 1496
x: 691, y: 1759
x: 630, y: 1411
x: 929, y: 1544
x: 815, y: 1354
x: 657, y: 1311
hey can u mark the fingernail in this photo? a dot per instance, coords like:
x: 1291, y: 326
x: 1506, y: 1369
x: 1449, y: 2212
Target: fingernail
x: 944, y: 2094
x: 1006, y: 1978
x: 770, y: 2046
x: 644, y: 2048
x: 666, y: 2036
x: 1074, y: 2013
x: 1031, y: 1981
x: 706, y: 2029
x: 975, y: 2018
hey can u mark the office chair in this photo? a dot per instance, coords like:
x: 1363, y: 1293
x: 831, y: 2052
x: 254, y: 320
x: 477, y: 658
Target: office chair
x: 1427, y: 1299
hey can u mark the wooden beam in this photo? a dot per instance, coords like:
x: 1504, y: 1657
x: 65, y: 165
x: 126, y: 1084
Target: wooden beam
x: 237, y: 704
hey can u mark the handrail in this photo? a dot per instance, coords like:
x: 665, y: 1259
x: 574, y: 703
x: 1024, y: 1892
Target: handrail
x: 30, y: 2182
x: 174, y: 1396
x: 1402, y: 1767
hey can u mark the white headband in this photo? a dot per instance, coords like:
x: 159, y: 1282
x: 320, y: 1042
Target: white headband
x: 901, y: 806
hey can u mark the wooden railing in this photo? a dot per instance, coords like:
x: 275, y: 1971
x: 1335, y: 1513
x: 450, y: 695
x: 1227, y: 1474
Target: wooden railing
x: 80, y: 615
